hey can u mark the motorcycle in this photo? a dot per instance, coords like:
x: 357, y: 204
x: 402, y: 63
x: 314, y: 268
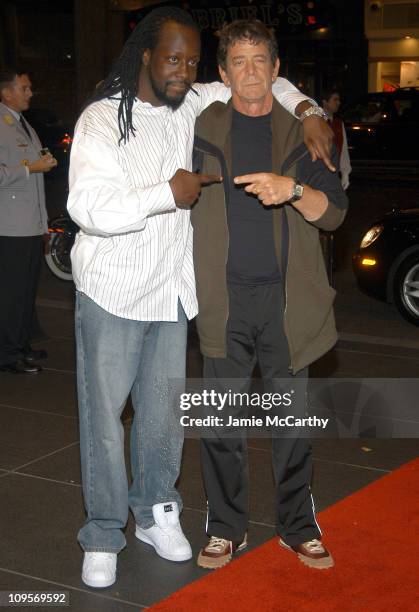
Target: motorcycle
x: 62, y: 231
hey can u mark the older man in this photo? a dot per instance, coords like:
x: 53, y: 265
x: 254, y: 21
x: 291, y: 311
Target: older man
x: 262, y: 288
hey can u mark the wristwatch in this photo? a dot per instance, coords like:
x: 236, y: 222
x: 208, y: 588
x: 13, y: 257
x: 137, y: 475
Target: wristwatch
x: 314, y: 110
x: 297, y: 191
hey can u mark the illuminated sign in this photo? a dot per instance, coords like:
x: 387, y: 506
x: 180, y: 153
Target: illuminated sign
x: 285, y: 17
x: 273, y: 15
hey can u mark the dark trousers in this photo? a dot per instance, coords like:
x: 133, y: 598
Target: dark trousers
x: 255, y: 333
x: 20, y: 262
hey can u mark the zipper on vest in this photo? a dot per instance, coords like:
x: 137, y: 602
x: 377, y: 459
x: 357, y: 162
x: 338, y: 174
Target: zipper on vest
x: 225, y: 268
x: 295, y: 161
x: 290, y: 367
x: 224, y: 175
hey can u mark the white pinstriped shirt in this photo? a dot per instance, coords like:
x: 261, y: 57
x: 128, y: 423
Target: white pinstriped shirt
x: 133, y: 254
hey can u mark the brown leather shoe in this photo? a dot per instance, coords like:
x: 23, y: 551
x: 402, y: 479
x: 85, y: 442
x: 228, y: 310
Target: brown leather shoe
x: 20, y: 367
x: 312, y: 553
x: 219, y: 552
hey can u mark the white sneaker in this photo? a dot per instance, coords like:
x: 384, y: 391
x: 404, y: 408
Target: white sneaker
x: 99, y: 569
x: 166, y: 535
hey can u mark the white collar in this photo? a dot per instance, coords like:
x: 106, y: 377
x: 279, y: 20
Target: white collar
x: 149, y: 107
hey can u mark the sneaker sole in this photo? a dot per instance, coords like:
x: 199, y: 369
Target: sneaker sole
x: 98, y: 584
x: 216, y: 562
x: 322, y: 563
x: 140, y: 535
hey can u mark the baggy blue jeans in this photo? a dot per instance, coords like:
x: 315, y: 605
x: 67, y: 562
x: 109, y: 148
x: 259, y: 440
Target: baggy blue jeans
x: 116, y: 357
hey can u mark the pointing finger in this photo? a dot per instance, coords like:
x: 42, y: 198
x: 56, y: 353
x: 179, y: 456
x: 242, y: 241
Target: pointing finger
x: 207, y: 179
x: 247, y: 178
x: 312, y: 149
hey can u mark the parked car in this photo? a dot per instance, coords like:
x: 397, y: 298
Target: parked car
x: 386, y: 263
x: 383, y: 131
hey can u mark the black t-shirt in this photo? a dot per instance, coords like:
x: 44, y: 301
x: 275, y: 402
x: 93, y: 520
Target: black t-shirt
x: 251, y: 255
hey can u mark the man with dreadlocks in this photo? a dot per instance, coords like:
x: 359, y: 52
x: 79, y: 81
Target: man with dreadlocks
x: 130, y: 183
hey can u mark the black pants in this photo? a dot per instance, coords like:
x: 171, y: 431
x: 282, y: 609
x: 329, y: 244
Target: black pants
x: 20, y: 262
x: 255, y: 333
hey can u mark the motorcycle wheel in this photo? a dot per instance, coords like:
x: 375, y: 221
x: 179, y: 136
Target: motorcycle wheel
x: 58, y: 259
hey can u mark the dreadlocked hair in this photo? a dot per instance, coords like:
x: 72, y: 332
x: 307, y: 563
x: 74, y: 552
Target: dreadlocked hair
x: 122, y: 81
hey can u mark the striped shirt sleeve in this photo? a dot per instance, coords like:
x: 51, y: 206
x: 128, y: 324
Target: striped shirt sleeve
x: 101, y: 201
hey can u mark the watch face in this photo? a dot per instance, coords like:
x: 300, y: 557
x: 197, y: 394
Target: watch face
x: 298, y: 191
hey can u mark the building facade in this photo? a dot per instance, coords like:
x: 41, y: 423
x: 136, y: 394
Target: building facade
x: 392, y: 30
x: 68, y: 46
x: 321, y: 42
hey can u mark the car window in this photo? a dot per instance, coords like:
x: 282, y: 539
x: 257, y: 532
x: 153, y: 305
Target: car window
x: 400, y: 106
x: 405, y: 108
x: 368, y: 109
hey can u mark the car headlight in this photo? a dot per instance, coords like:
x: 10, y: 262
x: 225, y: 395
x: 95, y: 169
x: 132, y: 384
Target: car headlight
x: 371, y: 236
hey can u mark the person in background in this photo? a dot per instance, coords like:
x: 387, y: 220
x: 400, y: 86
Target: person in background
x: 331, y: 103
x: 23, y: 222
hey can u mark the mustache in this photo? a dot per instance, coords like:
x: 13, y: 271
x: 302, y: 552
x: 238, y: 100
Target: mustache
x: 183, y: 83
x: 188, y: 86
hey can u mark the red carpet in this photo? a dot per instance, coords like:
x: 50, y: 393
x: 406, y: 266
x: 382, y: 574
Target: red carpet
x: 373, y: 535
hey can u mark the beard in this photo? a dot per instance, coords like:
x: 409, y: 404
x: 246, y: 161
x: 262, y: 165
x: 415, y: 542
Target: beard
x: 174, y: 101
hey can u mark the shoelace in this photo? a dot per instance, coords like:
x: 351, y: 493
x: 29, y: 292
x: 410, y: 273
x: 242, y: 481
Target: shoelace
x: 216, y: 544
x: 315, y: 546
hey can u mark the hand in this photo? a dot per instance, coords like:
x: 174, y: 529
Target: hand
x: 186, y: 186
x: 43, y: 164
x: 268, y: 187
x: 319, y: 139
x: 345, y: 181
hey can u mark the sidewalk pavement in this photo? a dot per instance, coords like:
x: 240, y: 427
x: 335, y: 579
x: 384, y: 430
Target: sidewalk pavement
x: 42, y: 509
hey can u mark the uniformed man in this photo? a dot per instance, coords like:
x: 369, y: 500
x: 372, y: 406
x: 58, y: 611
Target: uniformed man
x: 23, y: 221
